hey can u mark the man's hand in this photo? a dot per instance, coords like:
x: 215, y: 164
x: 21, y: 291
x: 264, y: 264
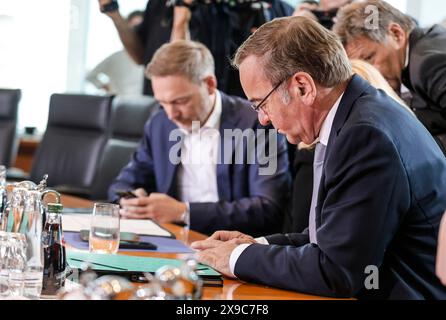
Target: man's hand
x: 229, y: 235
x: 217, y: 253
x: 181, y: 19
x: 157, y: 206
x: 181, y: 16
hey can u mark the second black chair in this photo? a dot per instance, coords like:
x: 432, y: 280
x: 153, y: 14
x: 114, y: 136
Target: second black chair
x: 129, y: 115
x: 74, y: 140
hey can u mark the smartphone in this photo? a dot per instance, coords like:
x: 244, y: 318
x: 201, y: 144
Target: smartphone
x: 124, y: 236
x: 126, y: 194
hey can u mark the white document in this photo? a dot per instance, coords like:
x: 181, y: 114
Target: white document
x: 78, y: 222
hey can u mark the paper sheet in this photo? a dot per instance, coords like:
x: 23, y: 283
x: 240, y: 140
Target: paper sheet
x: 77, y: 222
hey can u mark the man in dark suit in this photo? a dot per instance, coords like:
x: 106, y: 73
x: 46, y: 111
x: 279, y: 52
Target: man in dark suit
x: 403, y: 53
x: 379, y: 177
x: 203, y: 158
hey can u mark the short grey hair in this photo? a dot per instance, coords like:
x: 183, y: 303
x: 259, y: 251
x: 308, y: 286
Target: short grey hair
x: 182, y: 57
x: 297, y: 44
x: 352, y: 21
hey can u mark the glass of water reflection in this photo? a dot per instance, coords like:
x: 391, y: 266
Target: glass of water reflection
x: 104, y: 230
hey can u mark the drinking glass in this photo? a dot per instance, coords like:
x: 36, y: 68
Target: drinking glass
x: 12, y: 264
x: 104, y: 230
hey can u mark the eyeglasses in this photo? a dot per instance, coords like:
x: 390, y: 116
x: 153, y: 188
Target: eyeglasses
x: 261, y: 103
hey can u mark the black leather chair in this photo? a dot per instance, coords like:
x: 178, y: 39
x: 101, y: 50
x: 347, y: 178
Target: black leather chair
x: 129, y: 115
x: 9, y: 105
x: 71, y: 148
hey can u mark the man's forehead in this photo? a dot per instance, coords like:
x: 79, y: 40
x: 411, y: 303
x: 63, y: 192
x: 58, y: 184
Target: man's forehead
x: 357, y: 48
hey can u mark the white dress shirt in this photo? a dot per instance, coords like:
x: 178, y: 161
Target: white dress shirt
x: 324, y: 136
x: 197, y: 174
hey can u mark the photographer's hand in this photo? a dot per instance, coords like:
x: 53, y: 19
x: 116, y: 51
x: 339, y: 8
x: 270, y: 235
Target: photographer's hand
x: 181, y: 18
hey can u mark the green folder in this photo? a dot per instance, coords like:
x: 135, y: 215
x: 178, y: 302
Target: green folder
x: 133, y: 267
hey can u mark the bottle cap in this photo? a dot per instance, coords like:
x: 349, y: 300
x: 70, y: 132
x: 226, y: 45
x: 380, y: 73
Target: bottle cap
x: 55, y: 207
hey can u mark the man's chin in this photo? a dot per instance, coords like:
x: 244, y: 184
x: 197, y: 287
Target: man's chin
x: 185, y: 126
x: 293, y: 140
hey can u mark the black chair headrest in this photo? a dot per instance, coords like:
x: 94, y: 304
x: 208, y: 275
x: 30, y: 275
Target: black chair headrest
x: 9, y: 99
x: 130, y: 114
x: 75, y: 111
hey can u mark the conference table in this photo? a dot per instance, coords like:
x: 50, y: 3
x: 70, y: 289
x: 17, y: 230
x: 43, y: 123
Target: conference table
x: 231, y: 289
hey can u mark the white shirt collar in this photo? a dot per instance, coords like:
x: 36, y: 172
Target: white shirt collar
x: 406, y: 63
x: 214, y: 118
x: 324, y: 135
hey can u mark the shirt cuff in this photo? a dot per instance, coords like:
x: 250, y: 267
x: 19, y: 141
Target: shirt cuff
x: 262, y: 240
x: 235, y: 255
x: 239, y: 250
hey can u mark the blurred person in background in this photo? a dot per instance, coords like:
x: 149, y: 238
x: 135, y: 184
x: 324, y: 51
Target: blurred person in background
x: 407, y: 56
x: 323, y: 11
x: 222, y: 27
x: 118, y: 74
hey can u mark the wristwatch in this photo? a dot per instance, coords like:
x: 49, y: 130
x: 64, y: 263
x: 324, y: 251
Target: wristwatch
x: 110, y: 7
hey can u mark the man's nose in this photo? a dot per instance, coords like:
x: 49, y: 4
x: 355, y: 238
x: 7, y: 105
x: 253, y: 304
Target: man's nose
x: 263, y: 118
x: 172, y: 112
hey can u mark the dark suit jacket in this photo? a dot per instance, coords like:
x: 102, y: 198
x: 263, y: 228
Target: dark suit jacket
x: 425, y: 77
x: 248, y: 201
x: 381, y: 198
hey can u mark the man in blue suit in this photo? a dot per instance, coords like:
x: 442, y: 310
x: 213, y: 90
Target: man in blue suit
x: 204, y: 160
x: 379, y: 177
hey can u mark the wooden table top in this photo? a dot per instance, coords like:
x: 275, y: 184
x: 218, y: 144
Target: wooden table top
x: 231, y: 290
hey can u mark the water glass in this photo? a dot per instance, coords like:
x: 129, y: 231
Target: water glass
x: 12, y: 264
x: 104, y: 230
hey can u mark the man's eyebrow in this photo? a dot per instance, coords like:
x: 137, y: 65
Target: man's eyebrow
x: 254, y: 100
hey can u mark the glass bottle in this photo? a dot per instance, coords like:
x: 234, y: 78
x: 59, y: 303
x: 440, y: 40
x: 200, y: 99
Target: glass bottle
x: 31, y: 227
x: 3, y: 199
x: 55, y: 263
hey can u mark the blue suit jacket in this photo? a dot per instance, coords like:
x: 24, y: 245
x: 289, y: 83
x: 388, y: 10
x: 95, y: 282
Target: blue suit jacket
x: 247, y: 201
x: 381, y: 198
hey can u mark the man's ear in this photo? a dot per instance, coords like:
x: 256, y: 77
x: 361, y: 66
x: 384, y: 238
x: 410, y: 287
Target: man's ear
x: 211, y: 84
x: 303, y: 88
x: 397, y: 33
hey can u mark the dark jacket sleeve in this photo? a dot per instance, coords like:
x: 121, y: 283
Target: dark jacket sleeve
x: 366, y: 192
x: 289, y: 239
x: 139, y: 172
x: 259, y: 213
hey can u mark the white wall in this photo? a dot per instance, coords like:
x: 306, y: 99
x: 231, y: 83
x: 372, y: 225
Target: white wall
x: 427, y: 12
x: 33, y: 53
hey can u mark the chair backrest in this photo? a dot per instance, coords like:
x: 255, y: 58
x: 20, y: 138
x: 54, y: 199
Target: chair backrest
x: 77, y: 130
x: 129, y: 115
x: 9, y: 105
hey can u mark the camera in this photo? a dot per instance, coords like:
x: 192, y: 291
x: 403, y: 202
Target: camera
x: 110, y: 7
